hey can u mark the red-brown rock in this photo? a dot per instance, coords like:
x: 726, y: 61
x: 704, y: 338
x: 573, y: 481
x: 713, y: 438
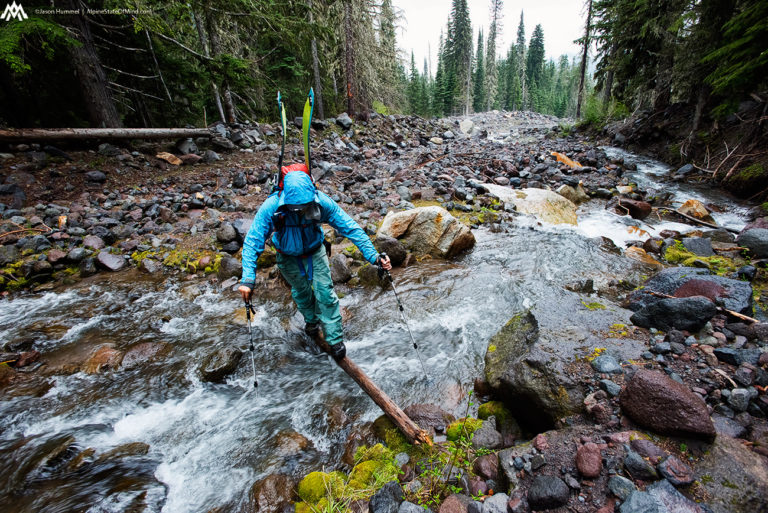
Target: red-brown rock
x: 455, y: 504
x: 487, y: 466
x: 636, y: 209
x: 589, y: 461
x: 27, y: 358
x: 271, y: 494
x: 655, y: 401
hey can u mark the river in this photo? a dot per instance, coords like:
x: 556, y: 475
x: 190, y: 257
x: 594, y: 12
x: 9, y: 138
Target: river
x: 208, y: 443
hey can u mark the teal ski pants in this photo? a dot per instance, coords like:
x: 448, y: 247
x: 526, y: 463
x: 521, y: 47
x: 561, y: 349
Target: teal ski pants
x: 316, y: 300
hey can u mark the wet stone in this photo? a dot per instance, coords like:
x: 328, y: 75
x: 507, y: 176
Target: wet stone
x: 640, y: 502
x: 497, y: 503
x: 606, y: 364
x: 220, y: 364
x: 621, y: 487
x: 639, y: 468
x: 548, y: 492
x: 611, y: 388
x: 675, y: 471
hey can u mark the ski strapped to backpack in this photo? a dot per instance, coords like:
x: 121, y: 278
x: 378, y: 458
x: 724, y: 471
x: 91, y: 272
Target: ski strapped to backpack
x: 306, y: 167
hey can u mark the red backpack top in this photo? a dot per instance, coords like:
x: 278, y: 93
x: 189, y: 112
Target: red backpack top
x: 290, y: 169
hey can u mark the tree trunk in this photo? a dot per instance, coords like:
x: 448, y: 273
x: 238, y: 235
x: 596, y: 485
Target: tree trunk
x: 583, y: 71
x: 608, y: 86
x: 213, y: 37
x: 93, y: 81
x: 207, y: 53
x: 316, y: 69
x: 349, y: 58
x: 42, y: 134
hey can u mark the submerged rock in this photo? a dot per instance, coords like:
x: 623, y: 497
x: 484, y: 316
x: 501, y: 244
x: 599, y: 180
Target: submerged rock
x: 103, y: 357
x: 220, y: 364
x: 545, y: 205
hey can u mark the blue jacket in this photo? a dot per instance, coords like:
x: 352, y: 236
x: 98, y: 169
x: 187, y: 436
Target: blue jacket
x: 300, y: 236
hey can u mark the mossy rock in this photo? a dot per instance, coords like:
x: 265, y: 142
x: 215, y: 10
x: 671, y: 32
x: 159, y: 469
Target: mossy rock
x: 375, y: 453
x: 678, y: 254
x: 354, y: 253
x: 369, y: 276
x: 363, y: 474
x: 302, y: 507
x: 748, y: 179
x: 268, y: 258
x: 316, y: 485
x: 496, y: 409
x: 386, y: 430
x: 459, y: 428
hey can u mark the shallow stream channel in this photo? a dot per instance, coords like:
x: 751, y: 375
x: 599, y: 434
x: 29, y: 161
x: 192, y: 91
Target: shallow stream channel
x: 151, y: 436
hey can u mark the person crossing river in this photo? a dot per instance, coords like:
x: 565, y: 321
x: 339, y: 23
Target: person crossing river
x: 294, y: 216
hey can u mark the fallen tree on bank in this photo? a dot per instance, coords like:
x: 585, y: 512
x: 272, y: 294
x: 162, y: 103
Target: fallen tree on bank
x: 54, y: 134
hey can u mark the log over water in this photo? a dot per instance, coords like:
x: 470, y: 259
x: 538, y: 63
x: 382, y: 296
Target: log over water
x: 409, y: 428
x: 48, y: 134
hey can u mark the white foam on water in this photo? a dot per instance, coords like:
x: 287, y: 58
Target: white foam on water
x: 75, y: 331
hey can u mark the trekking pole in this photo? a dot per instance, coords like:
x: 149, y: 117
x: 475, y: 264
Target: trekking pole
x: 248, y: 310
x: 402, y: 314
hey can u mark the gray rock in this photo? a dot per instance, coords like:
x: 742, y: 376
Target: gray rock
x: 621, y: 487
x: 728, y: 427
x: 340, y: 272
x: 496, y: 503
x: 756, y: 240
x: 9, y: 254
x: 88, y: 267
x: 487, y: 437
x: 673, y: 501
x: 641, y: 502
x: 344, y: 121
x: 548, y: 492
x: 229, y: 267
x: 393, y: 248
x: 610, y: 387
x: 606, y: 364
x: 110, y: 262
x: 220, y: 364
x: 186, y: 146
x: 739, y: 399
x: 428, y: 231
x: 150, y: 266
x: 409, y: 507
x: 675, y: 471
x: 226, y: 233
x: 210, y: 156
x: 239, y: 181
x: 96, y: 176
x: 448, y: 135
x: 687, y: 313
x: 737, y: 357
x: 639, y: 467
x: 242, y: 226
x: 93, y: 242
x: 75, y: 255
x: 699, y: 246
x: 387, y: 499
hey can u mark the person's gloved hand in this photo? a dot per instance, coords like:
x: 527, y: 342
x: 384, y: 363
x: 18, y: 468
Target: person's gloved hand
x: 246, y: 292
x: 383, y: 262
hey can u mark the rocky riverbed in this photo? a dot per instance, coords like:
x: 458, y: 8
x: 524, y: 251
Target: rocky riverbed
x: 622, y: 373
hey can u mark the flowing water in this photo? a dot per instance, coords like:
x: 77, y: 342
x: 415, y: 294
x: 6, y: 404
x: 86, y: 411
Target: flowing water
x: 206, y: 444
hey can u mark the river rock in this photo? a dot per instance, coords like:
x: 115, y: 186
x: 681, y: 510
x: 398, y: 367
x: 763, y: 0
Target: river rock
x: 9, y: 254
x: 104, y: 357
x: 487, y: 467
x: 546, y: 205
x: 621, y: 487
x: 756, y: 240
x: 639, y: 468
x: 151, y: 266
x: 110, y: 262
x: 428, y: 231
x: 428, y: 416
x: 699, y: 246
x: 87, y: 267
x: 690, y: 313
x: 736, y: 295
x: 675, y: 471
x: 521, y: 369
x: 229, y: 267
x: 220, y: 364
x: 340, y: 272
x: 95, y: 176
x: 657, y: 402
x: 577, y: 194
x: 640, y: 502
x: 548, y: 492
x: 589, y: 461
x: 672, y: 500
x: 409, y: 507
x: 455, y: 503
x: 496, y: 503
x: 735, y: 478
x: 487, y: 436
x: 226, y: 233
x: 387, y: 499
x: 635, y: 208
x: 271, y: 494
x: 241, y: 227
x: 344, y: 121
x: 145, y: 351
x: 393, y: 248
x: 93, y: 242
x: 696, y: 208
x: 466, y: 126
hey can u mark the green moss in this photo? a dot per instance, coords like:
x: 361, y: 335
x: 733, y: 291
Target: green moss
x: 706, y: 479
x: 729, y: 484
x: 302, y: 507
x: 678, y: 254
x: 354, y: 253
x: 396, y: 441
x: 138, y: 256
x: 497, y: 409
x: 593, y: 306
x: 459, y: 428
x: 316, y: 485
x: 268, y: 258
x: 491, y: 348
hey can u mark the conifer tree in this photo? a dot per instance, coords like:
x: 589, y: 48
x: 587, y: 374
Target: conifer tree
x: 520, y: 48
x: 491, y: 69
x: 478, y: 100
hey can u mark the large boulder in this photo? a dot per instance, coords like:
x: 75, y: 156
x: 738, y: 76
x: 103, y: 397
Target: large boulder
x: 657, y: 402
x: 523, y: 372
x: 756, y: 240
x: 735, y: 478
x: 546, y: 205
x: 734, y: 295
x: 428, y: 231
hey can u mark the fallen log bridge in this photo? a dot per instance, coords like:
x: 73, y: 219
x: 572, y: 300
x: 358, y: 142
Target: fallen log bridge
x: 409, y: 428
x: 59, y: 134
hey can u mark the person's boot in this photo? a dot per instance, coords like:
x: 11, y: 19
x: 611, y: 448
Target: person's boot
x: 312, y: 329
x: 338, y: 350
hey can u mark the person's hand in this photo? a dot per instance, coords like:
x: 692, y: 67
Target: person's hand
x: 384, y: 262
x: 246, y: 292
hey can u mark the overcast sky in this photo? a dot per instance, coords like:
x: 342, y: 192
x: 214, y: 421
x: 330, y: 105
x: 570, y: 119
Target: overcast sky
x: 422, y: 21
